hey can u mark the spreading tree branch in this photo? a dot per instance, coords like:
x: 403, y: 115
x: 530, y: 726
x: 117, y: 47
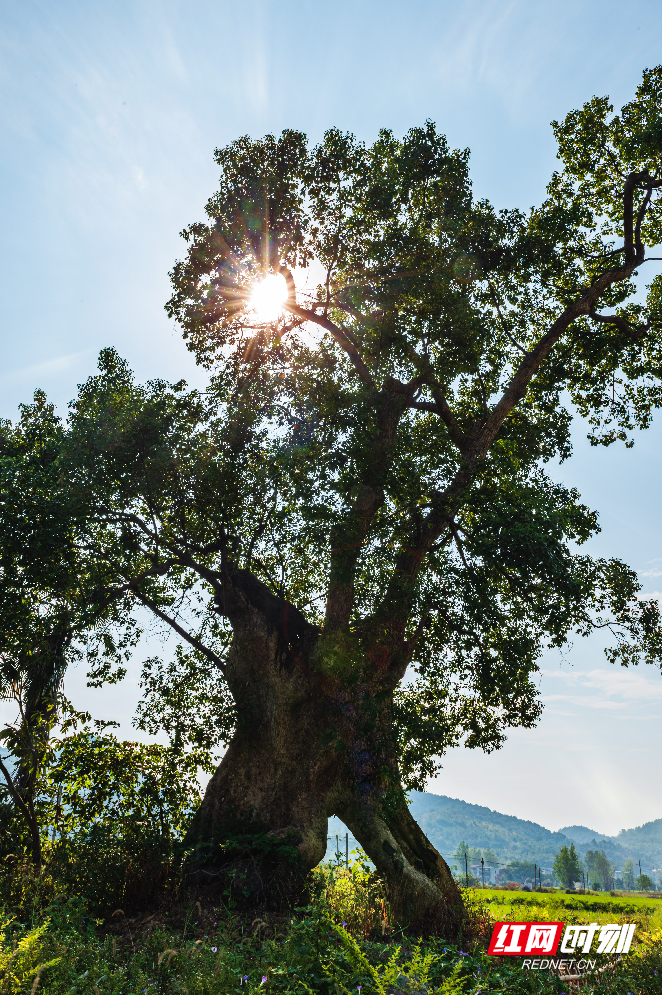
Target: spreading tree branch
x: 422, y: 536
x: 153, y: 607
x: 341, y: 337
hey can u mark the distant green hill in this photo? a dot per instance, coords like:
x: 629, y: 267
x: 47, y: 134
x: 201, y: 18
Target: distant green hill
x: 448, y: 821
x: 646, y: 838
x: 642, y: 843
x: 581, y: 834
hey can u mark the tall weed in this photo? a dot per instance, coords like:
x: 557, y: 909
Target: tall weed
x: 23, y: 961
x: 354, y: 896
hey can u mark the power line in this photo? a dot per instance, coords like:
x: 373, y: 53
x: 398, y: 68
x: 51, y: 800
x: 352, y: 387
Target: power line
x: 446, y: 856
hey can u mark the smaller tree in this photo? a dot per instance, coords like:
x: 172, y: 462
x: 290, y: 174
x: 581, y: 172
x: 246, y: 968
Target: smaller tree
x: 628, y: 875
x: 600, y: 871
x: 567, y: 866
x: 518, y: 870
x: 110, y: 815
x: 644, y: 883
x: 461, y: 857
x: 54, y: 606
x: 464, y: 857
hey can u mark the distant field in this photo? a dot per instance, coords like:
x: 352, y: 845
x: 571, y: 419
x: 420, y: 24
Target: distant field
x: 526, y: 906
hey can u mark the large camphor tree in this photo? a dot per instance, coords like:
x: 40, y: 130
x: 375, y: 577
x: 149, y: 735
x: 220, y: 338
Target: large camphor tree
x: 354, y: 522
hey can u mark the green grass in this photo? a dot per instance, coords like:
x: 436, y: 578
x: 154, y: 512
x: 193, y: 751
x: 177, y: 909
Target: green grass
x: 310, y: 955
x: 532, y: 906
x: 343, y: 944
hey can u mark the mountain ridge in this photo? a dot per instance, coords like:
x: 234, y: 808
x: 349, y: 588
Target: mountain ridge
x: 582, y: 833
x: 447, y: 821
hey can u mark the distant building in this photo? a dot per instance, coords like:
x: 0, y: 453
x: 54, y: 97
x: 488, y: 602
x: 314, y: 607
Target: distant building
x: 489, y: 870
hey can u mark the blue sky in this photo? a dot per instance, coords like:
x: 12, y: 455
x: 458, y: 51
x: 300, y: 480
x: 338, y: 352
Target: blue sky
x: 110, y: 113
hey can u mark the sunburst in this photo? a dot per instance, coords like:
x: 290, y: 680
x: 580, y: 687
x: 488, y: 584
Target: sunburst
x: 267, y: 298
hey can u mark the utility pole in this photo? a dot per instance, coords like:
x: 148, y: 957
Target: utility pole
x: 466, y: 867
x: 482, y: 868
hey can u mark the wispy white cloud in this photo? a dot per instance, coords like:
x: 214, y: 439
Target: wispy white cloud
x: 601, y: 688
x: 651, y: 717
x: 42, y: 371
x: 585, y: 701
x: 625, y: 683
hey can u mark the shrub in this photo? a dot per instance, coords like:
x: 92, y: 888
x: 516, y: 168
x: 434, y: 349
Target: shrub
x: 354, y: 896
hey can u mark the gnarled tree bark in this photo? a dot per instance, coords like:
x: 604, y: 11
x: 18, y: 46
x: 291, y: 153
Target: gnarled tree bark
x: 308, y: 745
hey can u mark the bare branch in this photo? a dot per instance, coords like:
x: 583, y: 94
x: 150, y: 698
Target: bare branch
x: 286, y: 272
x: 620, y: 323
x: 634, y: 250
x: 425, y: 406
x: 458, y: 541
x: 13, y: 791
x: 640, y: 217
x: 495, y: 301
x: 441, y: 408
x: 422, y: 536
x: 341, y: 337
x: 457, y: 435
x: 213, y: 657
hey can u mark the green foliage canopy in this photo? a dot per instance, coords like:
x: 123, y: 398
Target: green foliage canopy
x: 599, y: 869
x: 567, y: 866
x: 53, y: 600
x: 54, y: 604
x: 376, y: 455
x: 628, y: 874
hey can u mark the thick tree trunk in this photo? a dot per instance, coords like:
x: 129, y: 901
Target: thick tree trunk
x: 308, y: 744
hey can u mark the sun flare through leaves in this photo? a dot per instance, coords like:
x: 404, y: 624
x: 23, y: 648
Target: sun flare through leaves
x: 267, y: 298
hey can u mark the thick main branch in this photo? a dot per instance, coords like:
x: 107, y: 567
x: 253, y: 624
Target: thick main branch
x: 424, y: 535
